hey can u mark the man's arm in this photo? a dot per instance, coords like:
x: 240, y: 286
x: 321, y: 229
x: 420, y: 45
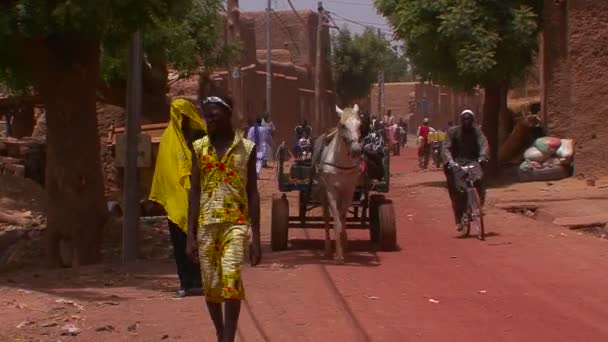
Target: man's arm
x: 418, y: 132
x: 446, y: 147
x: 253, y: 196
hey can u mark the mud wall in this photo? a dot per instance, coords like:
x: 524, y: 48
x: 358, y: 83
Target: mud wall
x: 396, y: 98
x: 575, y: 79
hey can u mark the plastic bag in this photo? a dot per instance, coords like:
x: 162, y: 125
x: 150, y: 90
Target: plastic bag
x: 566, y: 150
x: 534, y: 154
x: 530, y: 165
x: 548, y: 145
x: 552, y: 162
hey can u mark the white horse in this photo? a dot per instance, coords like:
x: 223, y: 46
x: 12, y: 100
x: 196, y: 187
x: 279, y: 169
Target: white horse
x: 338, y: 170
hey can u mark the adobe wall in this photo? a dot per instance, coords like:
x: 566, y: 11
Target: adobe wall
x: 290, y: 33
x: 575, y: 79
x: 414, y: 101
x: 396, y: 98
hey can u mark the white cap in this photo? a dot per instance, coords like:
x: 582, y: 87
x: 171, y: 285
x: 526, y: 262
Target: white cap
x: 467, y: 111
x: 425, y: 120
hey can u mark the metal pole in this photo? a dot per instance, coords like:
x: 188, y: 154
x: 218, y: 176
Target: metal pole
x: 235, y: 84
x: 269, y: 60
x: 317, y: 118
x: 380, y: 87
x: 130, y: 225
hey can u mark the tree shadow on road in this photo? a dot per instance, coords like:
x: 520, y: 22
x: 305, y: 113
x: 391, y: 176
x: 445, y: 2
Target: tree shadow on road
x: 311, y: 251
x: 474, y: 236
x: 97, y: 283
x: 433, y: 184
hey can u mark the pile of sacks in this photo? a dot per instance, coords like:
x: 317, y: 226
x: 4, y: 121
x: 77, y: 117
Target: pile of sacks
x: 548, y: 153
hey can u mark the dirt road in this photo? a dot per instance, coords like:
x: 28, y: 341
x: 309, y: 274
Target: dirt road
x: 530, y: 281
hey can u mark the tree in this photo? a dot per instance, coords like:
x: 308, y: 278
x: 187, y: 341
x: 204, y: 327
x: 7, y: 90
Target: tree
x: 54, y: 46
x: 469, y: 43
x: 187, y: 44
x: 357, y: 60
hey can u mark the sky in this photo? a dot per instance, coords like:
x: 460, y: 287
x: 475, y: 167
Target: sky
x: 361, y: 11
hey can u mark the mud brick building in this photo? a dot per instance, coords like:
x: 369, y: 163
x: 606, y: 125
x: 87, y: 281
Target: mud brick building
x: 414, y: 101
x: 293, y: 69
x: 574, y: 82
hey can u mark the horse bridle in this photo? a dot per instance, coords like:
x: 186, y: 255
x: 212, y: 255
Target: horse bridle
x: 347, y: 141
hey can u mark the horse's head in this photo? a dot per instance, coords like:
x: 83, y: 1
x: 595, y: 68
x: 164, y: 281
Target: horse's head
x: 350, y: 128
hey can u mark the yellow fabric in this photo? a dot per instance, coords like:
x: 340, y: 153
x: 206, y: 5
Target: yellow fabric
x: 221, y: 249
x: 171, y: 180
x: 437, y: 136
x: 223, y: 182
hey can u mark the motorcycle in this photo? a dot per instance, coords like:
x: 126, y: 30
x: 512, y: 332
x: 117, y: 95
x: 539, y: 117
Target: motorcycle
x: 305, y: 149
x: 436, y: 153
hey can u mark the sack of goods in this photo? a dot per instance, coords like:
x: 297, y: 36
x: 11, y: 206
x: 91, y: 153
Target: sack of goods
x: 548, y: 145
x: 566, y: 150
x: 534, y: 154
x: 549, y: 158
x: 437, y: 136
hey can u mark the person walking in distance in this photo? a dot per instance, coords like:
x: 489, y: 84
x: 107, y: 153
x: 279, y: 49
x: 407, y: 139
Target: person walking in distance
x: 171, y: 183
x: 267, y: 122
x: 224, y: 213
x: 424, y: 148
x: 262, y: 138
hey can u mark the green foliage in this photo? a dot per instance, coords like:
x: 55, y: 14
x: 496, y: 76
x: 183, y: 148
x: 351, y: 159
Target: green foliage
x: 466, y: 43
x: 186, y: 42
x: 357, y: 60
x: 182, y: 33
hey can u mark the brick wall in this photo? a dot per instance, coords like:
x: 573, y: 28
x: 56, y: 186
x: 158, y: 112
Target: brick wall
x: 574, y: 78
x: 414, y: 101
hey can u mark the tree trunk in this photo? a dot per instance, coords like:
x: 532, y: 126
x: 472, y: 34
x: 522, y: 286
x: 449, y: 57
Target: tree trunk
x: 494, y: 102
x: 64, y: 71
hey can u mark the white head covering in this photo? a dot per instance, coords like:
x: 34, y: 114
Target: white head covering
x: 467, y: 111
x: 425, y: 120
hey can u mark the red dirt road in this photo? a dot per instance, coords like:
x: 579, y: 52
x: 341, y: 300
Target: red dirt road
x: 529, y: 281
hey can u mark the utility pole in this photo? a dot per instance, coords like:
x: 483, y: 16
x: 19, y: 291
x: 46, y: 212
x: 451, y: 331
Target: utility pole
x: 318, y: 105
x: 130, y: 226
x: 269, y: 60
x: 380, y: 86
x: 234, y: 78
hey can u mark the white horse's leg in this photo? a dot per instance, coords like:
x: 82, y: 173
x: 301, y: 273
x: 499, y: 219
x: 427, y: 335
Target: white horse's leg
x: 324, y: 204
x: 344, y: 205
x: 333, y: 201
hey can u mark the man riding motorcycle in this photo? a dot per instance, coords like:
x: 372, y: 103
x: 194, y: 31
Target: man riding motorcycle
x: 464, y: 144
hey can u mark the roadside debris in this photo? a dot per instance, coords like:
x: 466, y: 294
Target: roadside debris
x: 70, y: 330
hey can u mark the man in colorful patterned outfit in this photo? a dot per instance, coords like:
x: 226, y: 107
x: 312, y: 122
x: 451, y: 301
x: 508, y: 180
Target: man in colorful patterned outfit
x: 224, y: 204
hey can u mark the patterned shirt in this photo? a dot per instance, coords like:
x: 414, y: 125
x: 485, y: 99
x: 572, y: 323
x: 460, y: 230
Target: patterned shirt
x: 223, y: 182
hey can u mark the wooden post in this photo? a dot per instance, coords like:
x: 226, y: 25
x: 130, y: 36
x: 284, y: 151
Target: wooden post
x: 130, y: 225
x: 235, y: 84
x: 317, y: 126
x: 381, y: 107
x: 269, y: 60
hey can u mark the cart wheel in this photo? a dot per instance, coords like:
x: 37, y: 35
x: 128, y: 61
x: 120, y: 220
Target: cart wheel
x: 279, y: 228
x: 388, y: 226
x: 374, y: 223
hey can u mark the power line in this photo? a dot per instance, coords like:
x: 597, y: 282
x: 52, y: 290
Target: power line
x: 288, y: 31
x: 333, y: 22
x: 349, y: 3
x: 361, y: 23
x: 293, y: 8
